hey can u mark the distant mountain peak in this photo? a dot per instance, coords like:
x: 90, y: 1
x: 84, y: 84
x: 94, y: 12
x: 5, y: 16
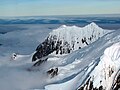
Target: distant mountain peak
x: 63, y: 26
x: 75, y: 29
x: 92, y: 26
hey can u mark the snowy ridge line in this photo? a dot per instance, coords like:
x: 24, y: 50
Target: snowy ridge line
x: 106, y: 70
x: 67, y: 39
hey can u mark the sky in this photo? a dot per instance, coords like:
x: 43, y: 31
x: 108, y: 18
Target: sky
x: 58, y: 7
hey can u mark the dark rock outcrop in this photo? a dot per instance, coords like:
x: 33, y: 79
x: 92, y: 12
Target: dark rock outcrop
x: 50, y: 45
x: 40, y: 62
x: 89, y: 86
x: 117, y: 83
x: 53, y: 72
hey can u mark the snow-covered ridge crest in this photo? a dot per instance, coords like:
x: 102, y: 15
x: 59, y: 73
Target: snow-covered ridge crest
x: 106, y: 75
x: 75, y: 29
x: 77, y: 37
x: 67, y: 39
x: 108, y: 68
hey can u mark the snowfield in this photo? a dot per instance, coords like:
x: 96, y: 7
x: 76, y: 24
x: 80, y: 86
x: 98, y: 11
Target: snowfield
x: 96, y: 63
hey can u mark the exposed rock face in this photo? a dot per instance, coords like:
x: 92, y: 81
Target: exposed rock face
x: 116, y: 83
x: 89, y: 86
x: 53, y: 72
x: 40, y: 62
x: 14, y: 56
x: 66, y: 39
x: 44, y: 49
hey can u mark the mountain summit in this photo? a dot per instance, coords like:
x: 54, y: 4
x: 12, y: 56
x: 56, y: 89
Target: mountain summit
x: 67, y: 39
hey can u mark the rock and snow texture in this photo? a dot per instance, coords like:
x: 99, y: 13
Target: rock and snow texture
x: 107, y: 68
x: 85, y: 68
x: 67, y: 39
x: 104, y: 74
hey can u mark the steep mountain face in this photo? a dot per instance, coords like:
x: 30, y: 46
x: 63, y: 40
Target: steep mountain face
x: 67, y: 39
x: 106, y: 75
x: 95, y: 67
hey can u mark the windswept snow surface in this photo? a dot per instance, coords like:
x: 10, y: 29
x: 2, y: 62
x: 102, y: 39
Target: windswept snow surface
x: 73, y: 69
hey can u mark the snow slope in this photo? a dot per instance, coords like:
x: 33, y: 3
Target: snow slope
x: 107, y: 68
x: 67, y: 39
x: 77, y: 67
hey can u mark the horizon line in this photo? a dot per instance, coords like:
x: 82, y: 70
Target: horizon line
x: 82, y: 15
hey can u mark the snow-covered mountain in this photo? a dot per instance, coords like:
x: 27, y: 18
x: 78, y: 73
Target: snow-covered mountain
x: 67, y: 39
x: 106, y: 75
x: 95, y: 67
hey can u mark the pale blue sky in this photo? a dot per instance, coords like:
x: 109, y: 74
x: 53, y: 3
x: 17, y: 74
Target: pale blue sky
x: 58, y: 7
